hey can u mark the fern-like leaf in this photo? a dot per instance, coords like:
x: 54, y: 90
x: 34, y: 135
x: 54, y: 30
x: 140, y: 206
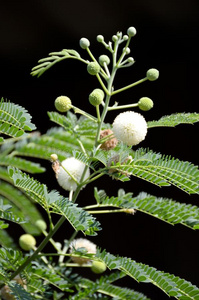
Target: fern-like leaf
x: 162, y: 170
x: 19, y: 292
x: 52, y: 59
x: 168, y: 283
x: 175, y: 119
x: 14, y: 120
x: 7, y: 214
x: 164, y: 209
x: 77, y: 217
x: 23, y: 164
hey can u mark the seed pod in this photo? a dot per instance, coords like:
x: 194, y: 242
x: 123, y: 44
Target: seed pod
x: 63, y: 103
x: 152, y: 74
x: 98, y: 267
x: 145, y: 103
x: 93, y: 68
x: 27, y: 242
x: 96, y: 97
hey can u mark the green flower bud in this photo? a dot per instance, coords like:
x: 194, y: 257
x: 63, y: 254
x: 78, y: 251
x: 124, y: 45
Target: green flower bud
x: 63, y: 103
x: 104, y: 59
x: 98, y: 267
x: 41, y: 225
x: 131, y: 31
x: 84, y: 43
x: 114, y: 38
x: 127, y: 50
x: 27, y: 242
x: 145, y: 103
x: 96, y: 97
x: 93, y: 68
x: 125, y: 37
x: 100, y: 38
x: 130, y: 60
x: 152, y: 74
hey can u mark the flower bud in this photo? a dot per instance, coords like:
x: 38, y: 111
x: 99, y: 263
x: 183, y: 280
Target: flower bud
x: 114, y: 38
x: 93, y: 68
x: 63, y: 103
x: 130, y: 60
x: 145, y: 103
x: 54, y: 157
x: 131, y: 31
x: 84, y: 43
x: 152, y: 74
x: 27, y: 242
x: 127, y: 50
x: 41, y: 225
x: 100, y: 38
x: 98, y: 267
x: 96, y: 97
x: 125, y: 37
x: 104, y: 59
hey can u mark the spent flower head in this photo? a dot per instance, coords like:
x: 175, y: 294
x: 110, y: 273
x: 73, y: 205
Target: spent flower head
x: 130, y: 128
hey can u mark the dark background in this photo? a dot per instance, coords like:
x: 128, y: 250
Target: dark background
x: 167, y: 39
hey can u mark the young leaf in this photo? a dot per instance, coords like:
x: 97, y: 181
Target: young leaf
x: 14, y: 120
x: 175, y: 119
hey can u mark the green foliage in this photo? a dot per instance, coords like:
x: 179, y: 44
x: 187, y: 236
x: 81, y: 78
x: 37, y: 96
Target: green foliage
x: 14, y: 120
x: 51, y: 275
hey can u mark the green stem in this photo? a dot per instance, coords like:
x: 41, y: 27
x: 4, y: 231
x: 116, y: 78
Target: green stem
x: 129, y: 86
x: 98, y: 113
x: 82, y: 112
x: 122, y: 106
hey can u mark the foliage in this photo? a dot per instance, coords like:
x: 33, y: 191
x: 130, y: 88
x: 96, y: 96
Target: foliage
x: 24, y: 200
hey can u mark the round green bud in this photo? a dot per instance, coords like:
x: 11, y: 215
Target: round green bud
x: 96, y: 97
x: 114, y: 38
x: 27, y: 242
x: 63, y: 103
x: 125, y: 37
x: 130, y: 60
x: 93, y: 68
x: 100, y: 38
x: 41, y: 225
x: 152, y: 74
x: 145, y: 103
x: 84, y: 43
x: 104, y: 59
x: 98, y: 267
x: 127, y: 50
x: 131, y: 31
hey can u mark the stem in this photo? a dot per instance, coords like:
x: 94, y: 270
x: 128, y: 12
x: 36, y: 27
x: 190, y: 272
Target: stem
x: 122, y: 106
x: 98, y: 113
x: 82, y: 112
x: 129, y: 86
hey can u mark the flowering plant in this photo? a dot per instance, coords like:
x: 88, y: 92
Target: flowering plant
x: 82, y: 149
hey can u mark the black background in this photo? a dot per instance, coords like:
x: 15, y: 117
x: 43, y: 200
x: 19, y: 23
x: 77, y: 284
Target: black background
x: 167, y: 39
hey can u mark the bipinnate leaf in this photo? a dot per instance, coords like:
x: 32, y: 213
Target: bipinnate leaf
x: 168, y: 283
x: 52, y: 59
x: 54, y: 203
x: 14, y: 120
x: 174, y: 119
x: 165, y: 209
x: 161, y: 170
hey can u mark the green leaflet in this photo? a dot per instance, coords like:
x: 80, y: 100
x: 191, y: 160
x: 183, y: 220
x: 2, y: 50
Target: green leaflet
x: 52, y: 201
x: 170, y: 284
x: 23, y: 164
x: 54, y: 57
x: 19, y: 292
x: 175, y: 119
x: 162, y: 170
x: 164, y: 209
x: 14, y: 120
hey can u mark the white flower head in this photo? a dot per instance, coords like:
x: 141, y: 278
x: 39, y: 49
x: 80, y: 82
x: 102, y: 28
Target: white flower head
x: 130, y: 128
x: 74, y: 167
x: 82, y: 244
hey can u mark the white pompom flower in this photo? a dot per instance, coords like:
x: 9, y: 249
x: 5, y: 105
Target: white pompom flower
x: 75, y: 168
x: 83, y: 244
x: 130, y: 128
